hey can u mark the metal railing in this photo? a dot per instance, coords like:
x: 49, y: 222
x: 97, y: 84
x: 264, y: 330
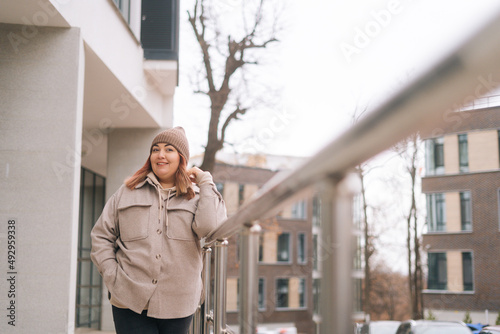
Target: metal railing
x: 424, y: 103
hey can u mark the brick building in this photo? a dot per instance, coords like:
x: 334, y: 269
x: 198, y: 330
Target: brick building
x: 462, y: 188
x: 285, y: 255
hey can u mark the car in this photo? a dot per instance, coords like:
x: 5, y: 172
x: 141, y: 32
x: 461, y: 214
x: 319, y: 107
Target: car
x: 379, y: 327
x: 490, y: 330
x: 475, y: 328
x: 432, y: 327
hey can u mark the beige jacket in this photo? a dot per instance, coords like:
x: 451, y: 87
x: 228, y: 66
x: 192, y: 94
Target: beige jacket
x: 147, y: 248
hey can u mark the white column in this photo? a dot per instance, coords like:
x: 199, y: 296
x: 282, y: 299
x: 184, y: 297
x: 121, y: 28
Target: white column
x: 41, y: 94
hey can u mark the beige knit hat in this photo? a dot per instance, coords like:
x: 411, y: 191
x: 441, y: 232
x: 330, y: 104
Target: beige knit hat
x: 175, y: 137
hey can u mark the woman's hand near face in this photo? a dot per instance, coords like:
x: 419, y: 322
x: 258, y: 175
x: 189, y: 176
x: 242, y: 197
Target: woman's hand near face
x: 198, y: 176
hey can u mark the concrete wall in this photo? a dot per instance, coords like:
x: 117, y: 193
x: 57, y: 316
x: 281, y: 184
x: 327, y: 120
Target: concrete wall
x: 40, y: 138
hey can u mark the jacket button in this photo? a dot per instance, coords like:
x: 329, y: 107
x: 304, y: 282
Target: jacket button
x: 155, y: 281
x: 158, y: 231
x: 158, y: 256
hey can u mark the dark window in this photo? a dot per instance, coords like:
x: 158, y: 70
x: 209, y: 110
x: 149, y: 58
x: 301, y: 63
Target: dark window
x: 283, y: 253
x: 436, y: 212
x: 89, y: 282
x: 434, y: 156
x: 315, y: 252
x: 160, y: 29
x: 438, y: 154
x: 301, y: 248
x: 262, y: 299
x: 282, y: 292
x: 316, y: 209
x: 467, y: 271
x: 437, y: 279
x: 465, y: 211
x: 316, y: 291
x: 463, y: 153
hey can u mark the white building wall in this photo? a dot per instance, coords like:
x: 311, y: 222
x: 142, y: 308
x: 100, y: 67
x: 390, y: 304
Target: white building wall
x: 40, y: 139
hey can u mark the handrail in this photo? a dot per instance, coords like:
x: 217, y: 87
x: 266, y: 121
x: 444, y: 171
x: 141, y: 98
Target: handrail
x: 422, y: 103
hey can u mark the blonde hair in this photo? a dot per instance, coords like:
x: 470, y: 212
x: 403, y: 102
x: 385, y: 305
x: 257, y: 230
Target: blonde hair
x: 182, y: 181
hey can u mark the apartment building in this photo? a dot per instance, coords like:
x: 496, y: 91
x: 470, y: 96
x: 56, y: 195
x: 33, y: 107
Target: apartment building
x: 84, y: 87
x: 285, y: 253
x: 462, y: 241
x: 290, y: 253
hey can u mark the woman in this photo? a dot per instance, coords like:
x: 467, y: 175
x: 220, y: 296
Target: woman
x: 146, y: 241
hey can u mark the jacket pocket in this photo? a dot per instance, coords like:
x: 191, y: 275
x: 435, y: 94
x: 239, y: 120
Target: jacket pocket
x: 179, y: 226
x: 133, y: 222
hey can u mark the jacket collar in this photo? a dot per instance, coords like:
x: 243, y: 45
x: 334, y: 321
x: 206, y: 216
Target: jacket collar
x: 151, y: 179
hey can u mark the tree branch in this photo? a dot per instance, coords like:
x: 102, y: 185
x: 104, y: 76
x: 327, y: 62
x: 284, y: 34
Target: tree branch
x: 233, y: 115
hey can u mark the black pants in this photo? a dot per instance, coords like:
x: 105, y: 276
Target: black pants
x: 129, y: 322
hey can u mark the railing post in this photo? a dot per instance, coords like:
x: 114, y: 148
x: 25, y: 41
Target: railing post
x: 335, y: 252
x: 202, y: 318
x: 220, y: 286
x: 249, y: 287
x: 207, y: 315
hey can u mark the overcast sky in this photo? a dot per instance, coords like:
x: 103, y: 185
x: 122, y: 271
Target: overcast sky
x: 334, y: 57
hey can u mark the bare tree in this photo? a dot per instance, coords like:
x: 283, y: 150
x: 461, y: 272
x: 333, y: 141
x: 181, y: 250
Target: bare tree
x: 368, y: 247
x: 409, y: 150
x: 225, y: 56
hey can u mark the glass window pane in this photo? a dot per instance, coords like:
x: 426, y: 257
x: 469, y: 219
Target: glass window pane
x: 301, y: 248
x: 466, y: 211
x: 463, y: 153
x: 282, y: 292
x: 437, y: 279
x: 302, y: 292
x: 283, y: 254
x: 467, y: 271
x: 262, y: 304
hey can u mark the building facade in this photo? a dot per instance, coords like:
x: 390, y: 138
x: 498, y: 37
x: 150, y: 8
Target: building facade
x: 290, y: 252
x: 462, y: 188
x: 84, y: 87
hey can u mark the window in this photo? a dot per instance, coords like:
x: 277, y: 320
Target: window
x: 316, y: 291
x: 467, y: 271
x: 89, y: 282
x: 299, y: 210
x: 437, y: 279
x: 436, y: 213
x: 124, y: 7
x: 316, y: 206
x: 463, y: 153
x: 283, y: 253
x: 315, y: 252
x: 301, y: 248
x: 262, y: 294
x: 233, y: 294
x: 290, y: 292
x: 465, y: 211
x: 434, y: 156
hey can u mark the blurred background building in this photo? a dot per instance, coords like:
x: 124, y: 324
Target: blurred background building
x: 462, y: 188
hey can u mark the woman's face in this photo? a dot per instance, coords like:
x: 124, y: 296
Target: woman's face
x: 165, y: 161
